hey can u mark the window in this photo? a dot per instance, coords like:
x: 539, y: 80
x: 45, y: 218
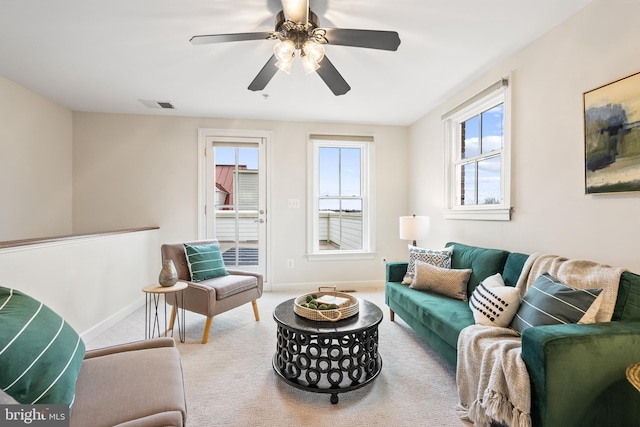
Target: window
x: 340, y: 215
x: 477, y: 138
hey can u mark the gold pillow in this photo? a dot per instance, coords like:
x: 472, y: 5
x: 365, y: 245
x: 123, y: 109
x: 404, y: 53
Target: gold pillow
x: 445, y: 281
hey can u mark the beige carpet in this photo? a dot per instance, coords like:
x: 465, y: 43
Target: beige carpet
x: 230, y: 381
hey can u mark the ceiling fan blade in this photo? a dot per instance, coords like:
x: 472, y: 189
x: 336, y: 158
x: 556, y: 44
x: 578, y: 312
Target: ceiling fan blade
x: 223, y: 38
x: 265, y: 75
x: 296, y: 10
x: 372, y: 39
x: 330, y: 75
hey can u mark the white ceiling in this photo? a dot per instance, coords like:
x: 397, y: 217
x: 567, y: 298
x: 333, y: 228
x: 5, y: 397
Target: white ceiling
x: 106, y: 56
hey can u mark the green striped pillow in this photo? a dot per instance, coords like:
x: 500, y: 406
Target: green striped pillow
x: 550, y: 302
x: 40, y: 353
x: 204, y: 261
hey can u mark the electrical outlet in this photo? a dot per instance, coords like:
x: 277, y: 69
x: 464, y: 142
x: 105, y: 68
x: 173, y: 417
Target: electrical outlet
x: 289, y: 263
x: 384, y: 260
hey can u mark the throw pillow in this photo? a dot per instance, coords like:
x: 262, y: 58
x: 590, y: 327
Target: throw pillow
x: 493, y: 303
x: 40, y: 353
x: 439, y: 258
x: 444, y: 281
x: 550, y: 302
x: 204, y: 261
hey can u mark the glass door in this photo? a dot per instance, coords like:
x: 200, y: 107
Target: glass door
x: 236, y: 201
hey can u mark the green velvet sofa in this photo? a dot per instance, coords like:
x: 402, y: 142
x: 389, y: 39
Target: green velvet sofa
x: 577, y: 372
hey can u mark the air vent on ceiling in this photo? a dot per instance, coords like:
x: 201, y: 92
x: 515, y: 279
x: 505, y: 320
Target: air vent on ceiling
x: 157, y: 104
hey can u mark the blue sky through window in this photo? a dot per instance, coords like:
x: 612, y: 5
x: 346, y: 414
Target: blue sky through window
x: 340, y: 178
x: 246, y: 157
x: 487, y: 127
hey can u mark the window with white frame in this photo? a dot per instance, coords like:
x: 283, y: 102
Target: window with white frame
x: 477, y: 138
x: 341, y: 203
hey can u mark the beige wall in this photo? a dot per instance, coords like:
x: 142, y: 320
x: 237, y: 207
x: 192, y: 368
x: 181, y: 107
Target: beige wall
x: 35, y: 165
x: 92, y: 282
x: 551, y: 212
x: 138, y: 170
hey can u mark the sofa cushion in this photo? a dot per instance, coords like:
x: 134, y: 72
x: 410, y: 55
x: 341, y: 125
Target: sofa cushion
x: 444, y: 281
x: 548, y: 301
x: 513, y: 268
x: 484, y: 262
x: 204, y: 261
x: 493, y: 303
x: 40, y: 353
x: 628, y: 302
x: 437, y: 257
x: 107, y: 396
x: 445, y: 316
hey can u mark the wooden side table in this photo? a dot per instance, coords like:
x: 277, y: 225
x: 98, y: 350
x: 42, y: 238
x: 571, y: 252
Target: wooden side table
x: 152, y: 301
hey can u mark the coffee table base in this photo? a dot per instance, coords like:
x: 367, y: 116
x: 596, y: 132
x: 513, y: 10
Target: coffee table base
x: 333, y: 391
x: 334, y: 362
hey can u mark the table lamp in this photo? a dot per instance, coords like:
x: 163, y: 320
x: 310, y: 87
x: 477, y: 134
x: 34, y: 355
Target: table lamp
x: 414, y: 228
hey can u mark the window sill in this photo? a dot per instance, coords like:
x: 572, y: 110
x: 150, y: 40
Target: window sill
x: 491, y: 214
x: 341, y: 256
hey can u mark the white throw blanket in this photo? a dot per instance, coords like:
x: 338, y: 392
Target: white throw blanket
x: 493, y: 382
x: 492, y: 379
x: 577, y: 273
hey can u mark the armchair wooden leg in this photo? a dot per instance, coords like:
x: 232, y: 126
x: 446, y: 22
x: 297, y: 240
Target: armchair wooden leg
x: 207, y: 328
x: 174, y: 313
x: 254, y: 303
x: 392, y: 315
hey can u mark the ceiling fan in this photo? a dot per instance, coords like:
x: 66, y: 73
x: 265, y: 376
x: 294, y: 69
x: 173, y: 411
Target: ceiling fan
x: 297, y: 29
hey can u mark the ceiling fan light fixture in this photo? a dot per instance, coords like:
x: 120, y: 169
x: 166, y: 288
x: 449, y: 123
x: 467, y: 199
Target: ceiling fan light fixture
x: 309, y: 65
x: 312, y: 54
x: 285, y: 66
x: 314, y: 51
x: 284, y: 50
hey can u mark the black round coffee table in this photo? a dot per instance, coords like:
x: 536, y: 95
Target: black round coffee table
x: 327, y: 357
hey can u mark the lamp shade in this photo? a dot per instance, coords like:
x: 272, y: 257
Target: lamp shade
x: 414, y: 227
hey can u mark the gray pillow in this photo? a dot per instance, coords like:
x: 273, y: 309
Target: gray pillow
x: 550, y: 302
x: 445, y: 281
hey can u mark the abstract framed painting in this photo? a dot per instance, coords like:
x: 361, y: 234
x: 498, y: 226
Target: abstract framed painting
x: 612, y: 137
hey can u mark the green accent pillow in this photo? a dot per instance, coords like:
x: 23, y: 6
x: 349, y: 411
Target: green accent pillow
x: 40, y: 354
x: 550, y: 302
x: 204, y: 261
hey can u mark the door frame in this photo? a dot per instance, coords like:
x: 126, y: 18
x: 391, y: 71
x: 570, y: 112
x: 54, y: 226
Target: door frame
x: 203, y: 134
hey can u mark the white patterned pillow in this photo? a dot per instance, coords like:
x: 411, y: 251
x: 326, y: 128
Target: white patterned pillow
x: 493, y: 303
x: 445, y: 281
x: 439, y: 258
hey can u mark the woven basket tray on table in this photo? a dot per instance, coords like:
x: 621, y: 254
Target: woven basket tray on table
x: 332, y: 315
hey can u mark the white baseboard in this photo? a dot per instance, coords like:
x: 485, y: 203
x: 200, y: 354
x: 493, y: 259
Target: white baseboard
x: 368, y: 285
x: 112, y: 320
